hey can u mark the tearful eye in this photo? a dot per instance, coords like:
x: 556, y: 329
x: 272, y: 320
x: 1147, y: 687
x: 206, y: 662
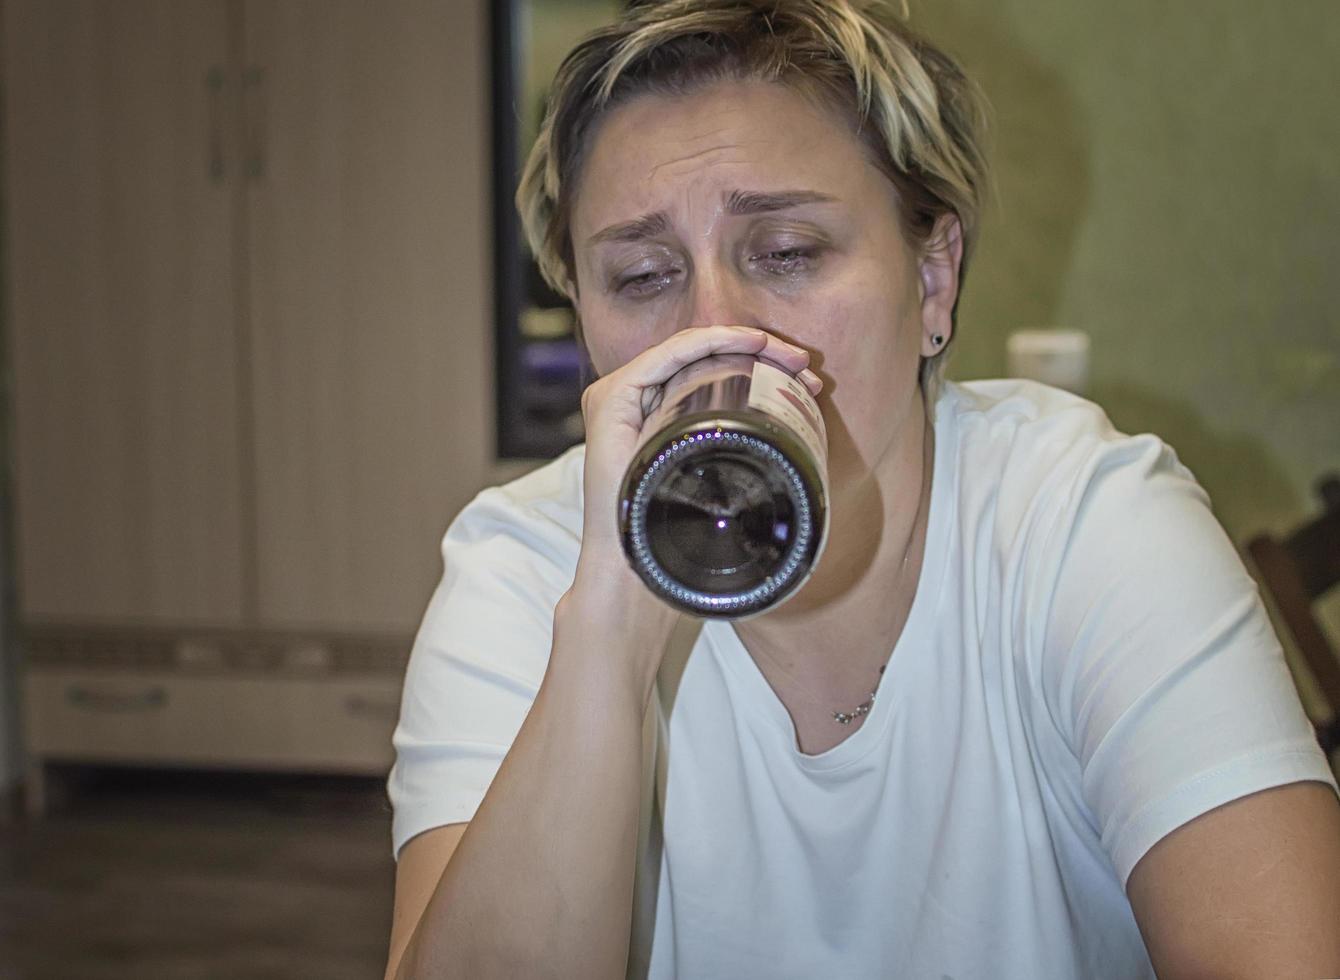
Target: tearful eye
x: 645, y: 283
x: 786, y: 261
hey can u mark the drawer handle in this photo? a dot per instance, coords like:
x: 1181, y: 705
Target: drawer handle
x: 83, y: 697
x: 357, y: 704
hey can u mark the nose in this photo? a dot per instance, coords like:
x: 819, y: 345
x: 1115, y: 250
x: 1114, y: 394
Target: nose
x: 716, y: 295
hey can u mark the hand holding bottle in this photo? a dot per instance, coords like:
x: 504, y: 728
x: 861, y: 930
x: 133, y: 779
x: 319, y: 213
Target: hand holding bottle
x: 614, y: 408
x: 724, y: 508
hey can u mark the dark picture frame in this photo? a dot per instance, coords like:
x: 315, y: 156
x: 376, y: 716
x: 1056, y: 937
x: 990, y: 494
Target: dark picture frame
x: 539, y: 367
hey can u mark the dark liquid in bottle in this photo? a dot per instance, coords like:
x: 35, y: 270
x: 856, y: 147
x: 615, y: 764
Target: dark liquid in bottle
x: 721, y: 522
x: 723, y: 510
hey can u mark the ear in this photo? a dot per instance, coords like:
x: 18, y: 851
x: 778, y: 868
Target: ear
x: 938, y: 270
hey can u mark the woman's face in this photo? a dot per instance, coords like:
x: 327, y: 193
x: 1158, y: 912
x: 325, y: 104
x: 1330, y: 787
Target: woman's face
x: 746, y: 203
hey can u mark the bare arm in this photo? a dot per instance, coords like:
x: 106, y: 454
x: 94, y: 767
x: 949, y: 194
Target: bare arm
x: 540, y: 883
x: 1251, y: 889
x: 418, y: 870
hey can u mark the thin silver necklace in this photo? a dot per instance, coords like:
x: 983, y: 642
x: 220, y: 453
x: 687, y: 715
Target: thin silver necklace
x: 863, y: 709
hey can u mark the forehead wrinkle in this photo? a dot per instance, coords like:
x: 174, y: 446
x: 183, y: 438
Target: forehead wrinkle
x: 696, y: 156
x: 737, y: 202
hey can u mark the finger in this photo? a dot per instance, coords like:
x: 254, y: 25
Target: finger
x: 793, y: 360
x: 788, y: 356
x: 658, y: 364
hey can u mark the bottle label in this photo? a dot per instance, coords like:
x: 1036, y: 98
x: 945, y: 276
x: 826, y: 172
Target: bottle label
x: 786, y: 398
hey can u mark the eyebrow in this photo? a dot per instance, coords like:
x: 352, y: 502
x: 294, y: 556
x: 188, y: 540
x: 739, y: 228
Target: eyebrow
x: 738, y: 203
x: 752, y: 202
x: 639, y: 229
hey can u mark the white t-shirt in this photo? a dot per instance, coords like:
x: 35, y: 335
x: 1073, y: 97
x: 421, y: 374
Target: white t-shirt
x: 1086, y: 666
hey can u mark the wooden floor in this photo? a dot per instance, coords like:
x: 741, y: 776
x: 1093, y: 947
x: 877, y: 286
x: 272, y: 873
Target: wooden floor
x: 152, y: 875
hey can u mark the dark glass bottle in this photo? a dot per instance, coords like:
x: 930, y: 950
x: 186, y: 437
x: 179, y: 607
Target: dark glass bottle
x: 724, y: 509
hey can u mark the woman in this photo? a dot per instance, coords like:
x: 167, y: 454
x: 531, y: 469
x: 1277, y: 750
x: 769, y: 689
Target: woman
x: 1084, y: 756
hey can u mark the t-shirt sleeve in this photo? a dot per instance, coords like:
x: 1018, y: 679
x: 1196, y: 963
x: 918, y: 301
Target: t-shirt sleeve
x: 477, y: 660
x: 1160, y: 663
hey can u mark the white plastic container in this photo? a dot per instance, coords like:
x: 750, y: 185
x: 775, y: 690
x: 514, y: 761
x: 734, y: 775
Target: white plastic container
x: 1056, y: 357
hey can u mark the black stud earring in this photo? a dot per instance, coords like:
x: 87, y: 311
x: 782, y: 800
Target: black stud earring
x: 937, y: 340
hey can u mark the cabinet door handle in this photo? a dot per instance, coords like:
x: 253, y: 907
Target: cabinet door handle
x: 358, y: 704
x: 94, y: 700
x: 215, y: 82
x: 253, y: 87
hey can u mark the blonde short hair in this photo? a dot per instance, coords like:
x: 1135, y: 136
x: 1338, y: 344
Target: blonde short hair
x: 919, y: 115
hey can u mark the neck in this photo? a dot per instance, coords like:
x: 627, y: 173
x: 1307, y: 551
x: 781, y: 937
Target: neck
x: 876, y: 538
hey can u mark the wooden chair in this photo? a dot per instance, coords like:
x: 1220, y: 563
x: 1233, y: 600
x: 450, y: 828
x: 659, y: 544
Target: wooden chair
x: 1297, y: 571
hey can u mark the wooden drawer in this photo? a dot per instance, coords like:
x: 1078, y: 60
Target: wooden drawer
x: 326, y: 724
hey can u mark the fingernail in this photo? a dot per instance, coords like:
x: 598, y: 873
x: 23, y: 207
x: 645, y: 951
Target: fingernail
x: 796, y: 348
x: 810, y: 378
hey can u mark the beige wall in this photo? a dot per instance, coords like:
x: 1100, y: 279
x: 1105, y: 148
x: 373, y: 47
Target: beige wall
x: 1169, y: 180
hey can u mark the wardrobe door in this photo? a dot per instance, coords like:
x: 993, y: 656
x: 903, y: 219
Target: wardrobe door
x: 369, y: 299
x: 120, y: 188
